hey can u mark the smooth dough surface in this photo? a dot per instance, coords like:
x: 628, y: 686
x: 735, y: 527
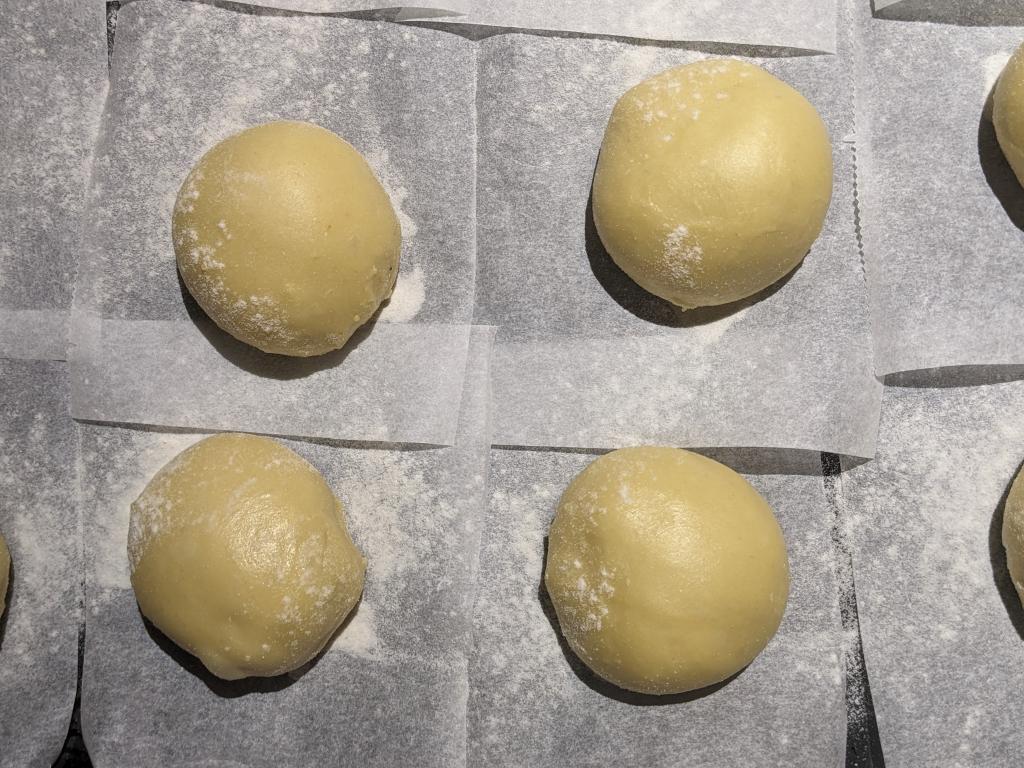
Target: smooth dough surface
x: 286, y: 239
x: 1008, y: 112
x: 5, y: 574
x: 713, y: 181
x: 240, y: 554
x: 1013, y: 533
x: 667, y: 570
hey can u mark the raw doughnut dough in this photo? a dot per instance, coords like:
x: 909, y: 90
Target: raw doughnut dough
x: 712, y: 183
x: 286, y: 238
x: 5, y: 574
x: 667, y: 570
x: 1008, y: 112
x: 239, y: 553
x: 1013, y: 534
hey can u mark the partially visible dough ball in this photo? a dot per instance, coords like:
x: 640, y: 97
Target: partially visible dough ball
x: 239, y: 553
x: 712, y: 183
x: 1008, y: 112
x: 5, y: 574
x: 667, y: 570
x: 286, y: 238
x: 1013, y: 534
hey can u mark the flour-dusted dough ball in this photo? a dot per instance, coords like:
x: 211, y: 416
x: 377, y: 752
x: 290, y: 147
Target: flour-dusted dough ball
x: 1013, y: 533
x: 712, y: 183
x: 5, y: 574
x: 667, y: 570
x: 286, y: 238
x: 240, y: 554
x: 1008, y: 112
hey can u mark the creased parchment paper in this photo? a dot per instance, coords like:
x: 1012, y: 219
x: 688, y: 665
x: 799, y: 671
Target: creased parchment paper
x: 39, y: 519
x: 941, y: 211
x: 391, y: 690
x: 53, y: 77
x: 942, y: 626
x: 186, y: 75
x: 588, y: 359
x: 533, y: 703
x: 965, y: 12
x: 421, y: 10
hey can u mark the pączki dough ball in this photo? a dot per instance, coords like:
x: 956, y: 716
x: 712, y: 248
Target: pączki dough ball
x: 5, y: 574
x: 1008, y: 112
x: 712, y: 183
x: 667, y: 570
x: 239, y: 553
x: 286, y: 239
x: 1013, y: 534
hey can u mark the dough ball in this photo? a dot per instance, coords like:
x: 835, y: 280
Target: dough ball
x: 239, y: 553
x: 713, y: 182
x: 5, y: 574
x: 1008, y: 112
x: 667, y: 570
x: 286, y: 239
x: 1013, y: 534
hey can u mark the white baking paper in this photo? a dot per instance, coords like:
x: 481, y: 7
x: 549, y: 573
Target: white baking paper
x: 390, y: 690
x: 532, y: 702
x: 941, y: 211
x: 585, y: 357
x: 423, y: 10
x: 942, y: 626
x: 965, y: 12
x: 186, y: 75
x: 39, y: 519
x: 53, y: 77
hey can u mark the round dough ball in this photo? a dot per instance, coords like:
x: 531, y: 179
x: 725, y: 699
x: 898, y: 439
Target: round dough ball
x: 667, y: 570
x: 239, y: 553
x: 5, y: 574
x: 1008, y: 112
x: 286, y: 239
x: 713, y: 182
x: 1013, y: 533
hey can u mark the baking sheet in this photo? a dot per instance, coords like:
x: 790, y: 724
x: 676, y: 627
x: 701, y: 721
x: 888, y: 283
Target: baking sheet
x: 533, y: 703
x: 941, y: 623
x: 966, y: 12
x: 585, y: 357
x: 53, y: 56
x: 390, y: 690
x: 186, y: 75
x: 941, y: 211
x: 39, y: 519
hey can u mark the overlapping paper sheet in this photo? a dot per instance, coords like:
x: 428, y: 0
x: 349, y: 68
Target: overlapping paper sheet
x: 532, y: 702
x: 941, y: 624
x: 53, y: 76
x: 422, y: 10
x: 966, y: 12
x: 941, y: 211
x: 588, y: 359
x: 39, y: 520
x: 392, y: 687
x: 186, y: 75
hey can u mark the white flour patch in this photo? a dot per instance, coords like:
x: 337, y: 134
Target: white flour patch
x: 408, y: 297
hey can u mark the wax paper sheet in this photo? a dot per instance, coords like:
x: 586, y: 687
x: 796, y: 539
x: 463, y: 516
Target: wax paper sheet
x: 941, y: 211
x: 588, y: 359
x: 966, y: 12
x: 533, y: 703
x: 53, y: 56
x: 186, y: 75
x: 40, y: 522
x: 391, y: 689
x: 386, y: 10
x: 941, y: 623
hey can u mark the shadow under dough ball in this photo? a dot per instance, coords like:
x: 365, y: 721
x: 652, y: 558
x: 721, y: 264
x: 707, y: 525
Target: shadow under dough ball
x: 5, y: 574
x: 1013, y: 534
x: 240, y: 554
x: 667, y: 570
x: 286, y: 239
x: 1008, y: 112
x: 713, y: 181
